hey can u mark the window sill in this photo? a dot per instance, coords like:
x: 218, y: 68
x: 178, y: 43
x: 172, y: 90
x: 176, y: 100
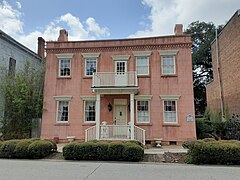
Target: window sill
x: 170, y: 125
x: 63, y: 77
x: 168, y: 75
x: 88, y: 124
x: 62, y: 124
x: 143, y: 124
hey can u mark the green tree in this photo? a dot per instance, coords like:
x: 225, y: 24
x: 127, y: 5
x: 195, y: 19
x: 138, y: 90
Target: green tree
x: 23, y: 97
x: 202, y: 36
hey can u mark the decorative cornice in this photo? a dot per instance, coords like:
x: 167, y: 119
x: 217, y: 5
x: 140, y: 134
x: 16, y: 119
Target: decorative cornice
x: 143, y: 97
x: 64, y: 56
x: 62, y: 98
x: 118, y: 48
x: 90, y: 55
x: 170, y: 97
x: 121, y: 57
x: 168, y: 52
x: 142, y: 53
x: 88, y: 98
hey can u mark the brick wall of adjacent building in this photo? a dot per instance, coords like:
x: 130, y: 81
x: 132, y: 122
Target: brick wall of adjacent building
x: 229, y: 58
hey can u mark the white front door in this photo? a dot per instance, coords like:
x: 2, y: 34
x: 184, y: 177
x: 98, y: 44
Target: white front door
x: 120, y: 73
x: 120, y: 119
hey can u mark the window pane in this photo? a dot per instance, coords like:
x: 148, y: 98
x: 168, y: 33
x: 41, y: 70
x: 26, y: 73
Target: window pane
x: 90, y: 66
x: 62, y: 111
x: 170, y: 111
x: 142, y: 65
x: 65, y: 67
x: 142, y: 111
x: 90, y: 111
x: 168, y: 66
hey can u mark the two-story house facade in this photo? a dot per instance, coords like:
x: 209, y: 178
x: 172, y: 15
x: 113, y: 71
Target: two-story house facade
x: 138, y: 88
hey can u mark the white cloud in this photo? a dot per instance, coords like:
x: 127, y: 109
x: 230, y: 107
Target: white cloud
x: 166, y: 13
x: 12, y: 24
x: 94, y: 27
x: 19, y: 5
x: 10, y: 19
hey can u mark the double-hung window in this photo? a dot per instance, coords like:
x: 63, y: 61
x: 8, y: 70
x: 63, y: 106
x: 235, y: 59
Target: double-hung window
x: 143, y: 108
x: 170, y: 115
x: 90, y: 60
x: 62, y: 111
x: 143, y: 111
x: 64, y: 65
x: 168, y: 62
x: 90, y: 111
x: 142, y: 62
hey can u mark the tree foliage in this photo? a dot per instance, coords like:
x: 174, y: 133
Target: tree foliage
x: 23, y: 97
x: 202, y: 36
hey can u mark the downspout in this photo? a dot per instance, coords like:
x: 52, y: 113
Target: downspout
x: 219, y: 78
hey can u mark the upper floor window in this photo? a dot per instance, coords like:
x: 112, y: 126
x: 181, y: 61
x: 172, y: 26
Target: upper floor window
x: 168, y: 65
x: 90, y: 66
x: 12, y: 67
x: 168, y: 61
x: 142, y: 65
x: 142, y: 62
x: 64, y: 65
x: 90, y: 63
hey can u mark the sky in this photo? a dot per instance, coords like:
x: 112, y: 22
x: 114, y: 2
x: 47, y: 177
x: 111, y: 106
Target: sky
x: 26, y: 20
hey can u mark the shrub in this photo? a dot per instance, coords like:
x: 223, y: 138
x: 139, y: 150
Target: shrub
x: 214, y: 152
x: 7, y: 149
x: 103, y: 151
x: 39, y: 149
x: 21, y: 149
x: 133, y: 152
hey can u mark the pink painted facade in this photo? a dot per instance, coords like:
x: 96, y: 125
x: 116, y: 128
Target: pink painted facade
x: 147, y: 81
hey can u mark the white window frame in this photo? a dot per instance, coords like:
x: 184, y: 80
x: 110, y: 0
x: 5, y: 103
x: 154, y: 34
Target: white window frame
x: 62, y: 99
x: 59, y: 68
x: 147, y: 58
x: 84, y: 111
x: 176, y: 112
x: 141, y: 54
x: 64, y: 57
x: 143, y: 98
x: 168, y: 53
x: 85, y: 66
x: 90, y: 57
x: 170, y: 98
x: 174, y: 66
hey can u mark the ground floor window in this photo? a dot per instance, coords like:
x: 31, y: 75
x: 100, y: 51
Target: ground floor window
x: 90, y: 111
x: 170, y: 113
x: 63, y: 110
x: 143, y: 111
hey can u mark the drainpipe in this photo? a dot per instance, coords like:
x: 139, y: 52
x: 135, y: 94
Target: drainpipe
x: 219, y: 78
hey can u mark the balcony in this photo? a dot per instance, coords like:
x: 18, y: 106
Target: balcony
x: 112, y: 79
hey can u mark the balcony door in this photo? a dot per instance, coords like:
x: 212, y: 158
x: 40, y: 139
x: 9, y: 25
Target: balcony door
x: 121, y: 73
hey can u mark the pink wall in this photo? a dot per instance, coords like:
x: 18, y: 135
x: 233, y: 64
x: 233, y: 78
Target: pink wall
x: 154, y: 85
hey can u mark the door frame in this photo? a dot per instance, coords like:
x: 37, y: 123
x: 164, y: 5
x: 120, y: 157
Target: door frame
x: 122, y: 102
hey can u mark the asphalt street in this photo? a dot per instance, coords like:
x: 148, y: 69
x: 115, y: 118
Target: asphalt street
x: 68, y: 170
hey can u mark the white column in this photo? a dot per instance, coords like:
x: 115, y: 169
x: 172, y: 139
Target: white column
x: 132, y: 115
x: 97, y: 116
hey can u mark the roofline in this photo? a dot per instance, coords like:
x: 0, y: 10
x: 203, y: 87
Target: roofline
x: 236, y: 13
x: 123, y: 39
x: 16, y: 43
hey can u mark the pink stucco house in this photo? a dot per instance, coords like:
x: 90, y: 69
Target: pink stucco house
x: 121, y: 89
